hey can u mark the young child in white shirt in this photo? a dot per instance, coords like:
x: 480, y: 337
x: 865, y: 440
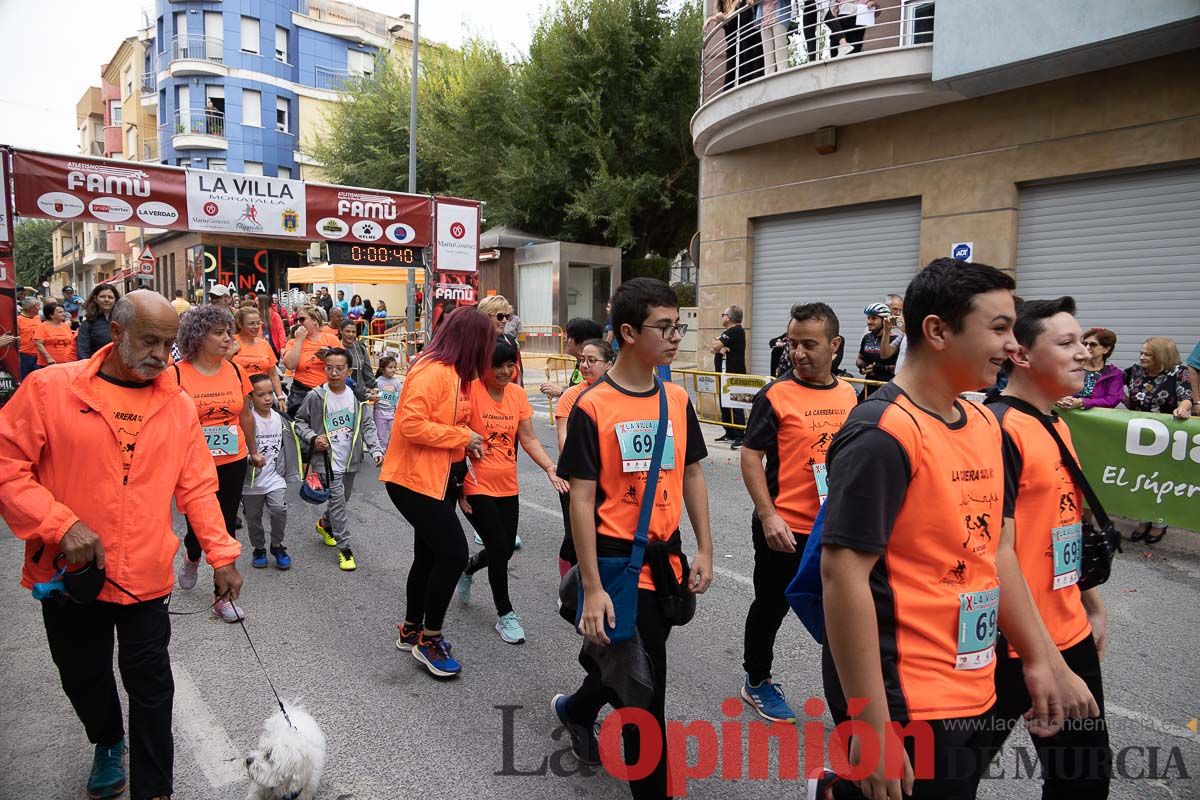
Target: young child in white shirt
x: 266, y: 486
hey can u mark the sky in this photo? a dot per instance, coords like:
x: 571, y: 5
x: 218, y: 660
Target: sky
x: 52, y: 50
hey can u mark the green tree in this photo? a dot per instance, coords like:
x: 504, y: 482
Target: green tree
x: 33, y: 251
x: 587, y: 139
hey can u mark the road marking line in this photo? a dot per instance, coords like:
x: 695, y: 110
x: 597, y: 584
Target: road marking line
x: 554, y: 512
x: 1149, y: 722
x: 195, y: 722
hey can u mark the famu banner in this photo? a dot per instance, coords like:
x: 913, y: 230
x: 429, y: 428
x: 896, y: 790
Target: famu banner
x: 1141, y: 466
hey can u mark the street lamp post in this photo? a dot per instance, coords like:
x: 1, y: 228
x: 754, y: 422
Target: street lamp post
x: 412, y: 154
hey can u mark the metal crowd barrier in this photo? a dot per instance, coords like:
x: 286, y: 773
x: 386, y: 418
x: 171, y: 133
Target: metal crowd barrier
x: 705, y: 389
x: 558, y: 371
x: 399, y: 343
x: 540, y: 340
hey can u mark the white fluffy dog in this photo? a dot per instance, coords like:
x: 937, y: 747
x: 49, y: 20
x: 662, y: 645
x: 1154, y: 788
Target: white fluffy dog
x: 289, y: 759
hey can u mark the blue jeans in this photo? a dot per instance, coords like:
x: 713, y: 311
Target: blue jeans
x: 28, y: 364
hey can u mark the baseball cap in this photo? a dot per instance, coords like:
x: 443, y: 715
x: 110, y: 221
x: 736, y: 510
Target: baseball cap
x: 219, y: 290
x: 876, y: 310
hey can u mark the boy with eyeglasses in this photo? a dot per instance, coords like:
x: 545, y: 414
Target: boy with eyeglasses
x: 338, y: 427
x: 606, y: 460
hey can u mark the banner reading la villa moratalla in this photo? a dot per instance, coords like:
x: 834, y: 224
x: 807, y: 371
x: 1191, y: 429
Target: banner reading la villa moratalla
x: 1141, y: 466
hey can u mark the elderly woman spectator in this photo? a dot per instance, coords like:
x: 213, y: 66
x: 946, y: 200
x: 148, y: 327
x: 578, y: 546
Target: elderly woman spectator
x: 1158, y: 383
x: 1103, y: 383
x: 93, y: 332
x: 54, y: 339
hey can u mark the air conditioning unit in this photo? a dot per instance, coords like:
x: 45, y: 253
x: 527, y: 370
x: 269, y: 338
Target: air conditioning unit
x: 316, y: 252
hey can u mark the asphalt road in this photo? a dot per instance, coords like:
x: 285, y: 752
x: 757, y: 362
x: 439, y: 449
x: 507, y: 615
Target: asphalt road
x: 393, y: 732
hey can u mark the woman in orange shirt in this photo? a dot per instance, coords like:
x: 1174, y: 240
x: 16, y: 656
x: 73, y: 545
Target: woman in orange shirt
x: 595, y: 357
x: 304, y: 355
x: 254, y: 355
x: 54, y: 339
x: 423, y: 472
x: 219, y: 389
x: 501, y: 413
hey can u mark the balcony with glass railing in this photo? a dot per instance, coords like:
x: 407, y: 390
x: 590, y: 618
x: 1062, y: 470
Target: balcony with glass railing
x: 148, y: 89
x: 197, y: 129
x: 336, y: 80
x: 778, y: 76
x: 196, y: 54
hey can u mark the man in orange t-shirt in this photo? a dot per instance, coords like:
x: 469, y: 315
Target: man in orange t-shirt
x: 28, y: 323
x: 144, y: 448
x: 791, y: 426
x: 1043, y: 514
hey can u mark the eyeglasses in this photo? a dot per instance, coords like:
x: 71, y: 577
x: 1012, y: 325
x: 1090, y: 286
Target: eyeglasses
x: 336, y: 367
x: 1090, y: 345
x: 301, y: 319
x: 503, y: 317
x: 589, y: 361
x: 668, y: 331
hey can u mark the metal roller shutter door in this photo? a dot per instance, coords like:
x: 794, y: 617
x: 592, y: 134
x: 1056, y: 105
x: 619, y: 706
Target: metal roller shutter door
x: 1126, y: 247
x: 847, y: 257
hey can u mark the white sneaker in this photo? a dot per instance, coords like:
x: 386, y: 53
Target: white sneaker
x: 463, y: 589
x: 226, y: 610
x: 187, y: 573
x: 509, y: 628
x: 517, y: 542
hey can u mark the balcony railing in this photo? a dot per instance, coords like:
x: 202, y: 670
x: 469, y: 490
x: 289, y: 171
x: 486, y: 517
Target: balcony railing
x: 738, y: 48
x: 197, y: 47
x: 341, y: 14
x: 202, y: 123
x: 149, y: 84
x: 337, y: 80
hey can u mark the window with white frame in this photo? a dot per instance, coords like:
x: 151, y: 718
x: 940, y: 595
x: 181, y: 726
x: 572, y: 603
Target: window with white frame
x: 281, y: 44
x: 281, y: 114
x: 360, y: 63
x: 249, y: 35
x: 252, y: 167
x: 127, y: 80
x: 251, y: 108
x: 217, y: 165
x: 285, y: 172
x: 114, y: 112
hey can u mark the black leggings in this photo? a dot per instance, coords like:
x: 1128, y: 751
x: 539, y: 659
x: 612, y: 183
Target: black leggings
x: 495, y: 520
x: 230, y: 478
x: 566, y: 551
x: 439, y: 552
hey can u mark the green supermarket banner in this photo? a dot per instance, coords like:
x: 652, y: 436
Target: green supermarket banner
x: 1141, y: 466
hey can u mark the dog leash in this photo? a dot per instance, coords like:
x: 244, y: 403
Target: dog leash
x: 266, y: 675
x: 242, y: 623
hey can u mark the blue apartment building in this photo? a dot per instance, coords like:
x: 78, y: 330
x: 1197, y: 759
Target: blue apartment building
x: 235, y: 80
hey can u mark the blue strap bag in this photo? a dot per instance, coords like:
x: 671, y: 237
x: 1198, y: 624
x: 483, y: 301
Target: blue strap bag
x: 804, y: 592
x: 619, y: 575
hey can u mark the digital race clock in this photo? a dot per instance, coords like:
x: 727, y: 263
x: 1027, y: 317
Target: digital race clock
x: 376, y: 255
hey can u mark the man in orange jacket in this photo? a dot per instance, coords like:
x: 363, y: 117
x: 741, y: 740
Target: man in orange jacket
x: 74, y: 485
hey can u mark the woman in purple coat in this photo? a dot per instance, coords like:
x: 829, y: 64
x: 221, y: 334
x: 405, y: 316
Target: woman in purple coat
x: 1103, y: 383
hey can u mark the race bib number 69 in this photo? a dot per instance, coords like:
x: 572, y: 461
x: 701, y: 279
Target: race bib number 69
x: 636, y: 439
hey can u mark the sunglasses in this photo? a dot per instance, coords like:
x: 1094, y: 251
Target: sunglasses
x: 504, y: 317
x: 301, y: 319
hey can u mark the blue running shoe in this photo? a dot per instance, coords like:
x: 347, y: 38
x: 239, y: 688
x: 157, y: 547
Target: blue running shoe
x: 584, y: 745
x: 282, y: 559
x: 407, y: 639
x: 260, y: 559
x: 509, y: 628
x: 767, y: 699
x: 517, y: 542
x: 108, y: 771
x: 434, y: 653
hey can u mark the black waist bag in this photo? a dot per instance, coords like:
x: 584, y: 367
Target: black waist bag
x: 676, y: 603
